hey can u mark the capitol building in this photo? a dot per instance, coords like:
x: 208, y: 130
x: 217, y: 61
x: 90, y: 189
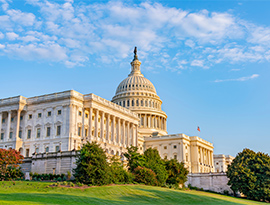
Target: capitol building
x: 49, y: 129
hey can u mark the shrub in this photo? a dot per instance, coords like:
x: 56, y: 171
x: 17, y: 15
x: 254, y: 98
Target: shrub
x: 177, y: 173
x: 145, y: 176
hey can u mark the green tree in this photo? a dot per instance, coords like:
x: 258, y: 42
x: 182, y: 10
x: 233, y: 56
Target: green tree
x: 154, y: 162
x: 92, y: 166
x: 134, y: 158
x: 249, y: 174
x: 145, y: 176
x: 119, y: 174
x: 177, y: 173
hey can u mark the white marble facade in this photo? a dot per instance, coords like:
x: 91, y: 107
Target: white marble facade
x: 65, y: 120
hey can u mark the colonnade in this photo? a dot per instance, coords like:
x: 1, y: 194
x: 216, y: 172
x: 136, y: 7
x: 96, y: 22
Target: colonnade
x: 140, y: 102
x: 206, y: 156
x: 153, y: 121
x: 108, y: 128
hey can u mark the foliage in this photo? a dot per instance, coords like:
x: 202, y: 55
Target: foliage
x: 9, y: 163
x: 134, y: 158
x: 119, y: 174
x: 145, y: 176
x: 249, y: 174
x: 154, y: 162
x: 68, y: 175
x: 47, y: 177
x: 177, y: 173
x: 92, y: 166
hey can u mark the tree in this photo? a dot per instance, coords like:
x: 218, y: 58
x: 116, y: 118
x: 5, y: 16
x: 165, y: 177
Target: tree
x: 119, y: 174
x: 92, y: 166
x: 177, y: 173
x: 134, y: 158
x: 154, y: 162
x: 145, y: 176
x: 249, y: 174
x: 9, y: 163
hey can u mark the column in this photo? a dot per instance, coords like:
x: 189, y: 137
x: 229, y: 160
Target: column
x: 102, y: 127
x: 118, y: 131
x: 123, y: 133
x: 136, y: 135
x: 83, y: 118
x: 149, y: 121
x: 132, y: 135
x: 113, y: 139
x: 96, y: 124
x: 156, y: 122
x: 8, y: 125
x: 128, y: 134
x: 144, y: 120
x: 212, y: 159
x: 107, y: 127
x: 1, y: 116
x: 90, y: 124
x: 18, y: 124
x: 209, y: 160
x: 70, y: 124
x: 76, y: 122
x: 165, y: 124
x: 184, y: 152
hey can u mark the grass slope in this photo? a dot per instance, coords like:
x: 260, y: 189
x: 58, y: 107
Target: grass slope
x: 37, y: 193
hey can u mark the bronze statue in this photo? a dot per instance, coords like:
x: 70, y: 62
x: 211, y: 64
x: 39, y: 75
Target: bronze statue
x: 135, y: 51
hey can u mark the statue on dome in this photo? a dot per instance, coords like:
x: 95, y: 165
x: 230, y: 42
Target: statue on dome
x: 135, y: 51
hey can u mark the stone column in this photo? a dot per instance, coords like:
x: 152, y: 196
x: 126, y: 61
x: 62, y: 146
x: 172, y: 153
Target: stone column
x: 70, y: 124
x: 8, y: 125
x: 184, y: 152
x: 132, y: 135
x: 1, y: 117
x: 124, y: 133
x: 118, y: 132
x: 145, y: 124
x: 107, y: 127
x: 209, y: 160
x: 90, y: 124
x: 128, y: 134
x: 156, y: 122
x: 113, y: 137
x: 102, y: 127
x: 83, y: 118
x: 76, y: 118
x: 96, y: 124
x: 136, y: 135
x: 165, y: 124
x: 18, y: 144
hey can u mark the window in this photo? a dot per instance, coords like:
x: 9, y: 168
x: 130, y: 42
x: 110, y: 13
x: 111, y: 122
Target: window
x: 86, y: 115
x: 37, y: 150
x: 21, y: 117
x: 48, y: 134
x: 29, y: 117
x: 80, y: 113
x: 10, y: 135
x: 2, y: 136
x: 59, y: 112
x: 27, y: 153
x: 174, y: 146
x: 49, y: 113
x: 20, y: 134
x: 58, y: 131
x: 28, y: 134
x: 12, y: 119
x: 39, y: 115
x: 38, y: 132
x: 86, y: 132
x: 79, y: 131
x: 3, y: 120
x: 165, y: 147
x: 57, y: 148
x: 175, y: 156
x: 165, y: 157
x: 47, y: 149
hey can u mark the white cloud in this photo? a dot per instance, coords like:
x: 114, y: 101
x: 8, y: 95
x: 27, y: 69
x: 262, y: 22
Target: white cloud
x: 2, y: 46
x: 239, y: 79
x: 1, y: 35
x: 12, y: 36
x: 112, y: 29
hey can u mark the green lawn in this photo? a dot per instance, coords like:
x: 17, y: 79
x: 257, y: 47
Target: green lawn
x: 37, y: 193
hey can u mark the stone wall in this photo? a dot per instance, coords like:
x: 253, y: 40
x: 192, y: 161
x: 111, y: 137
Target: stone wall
x: 55, y: 163
x: 216, y: 182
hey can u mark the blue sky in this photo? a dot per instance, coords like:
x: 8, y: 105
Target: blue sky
x: 209, y: 60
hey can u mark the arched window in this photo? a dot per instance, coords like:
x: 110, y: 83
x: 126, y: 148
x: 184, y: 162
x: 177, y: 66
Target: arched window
x: 137, y: 102
x: 128, y: 103
x: 132, y: 103
x: 146, y: 104
x: 120, y: 103
x: 141, y: 102
x: 124, y: 103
